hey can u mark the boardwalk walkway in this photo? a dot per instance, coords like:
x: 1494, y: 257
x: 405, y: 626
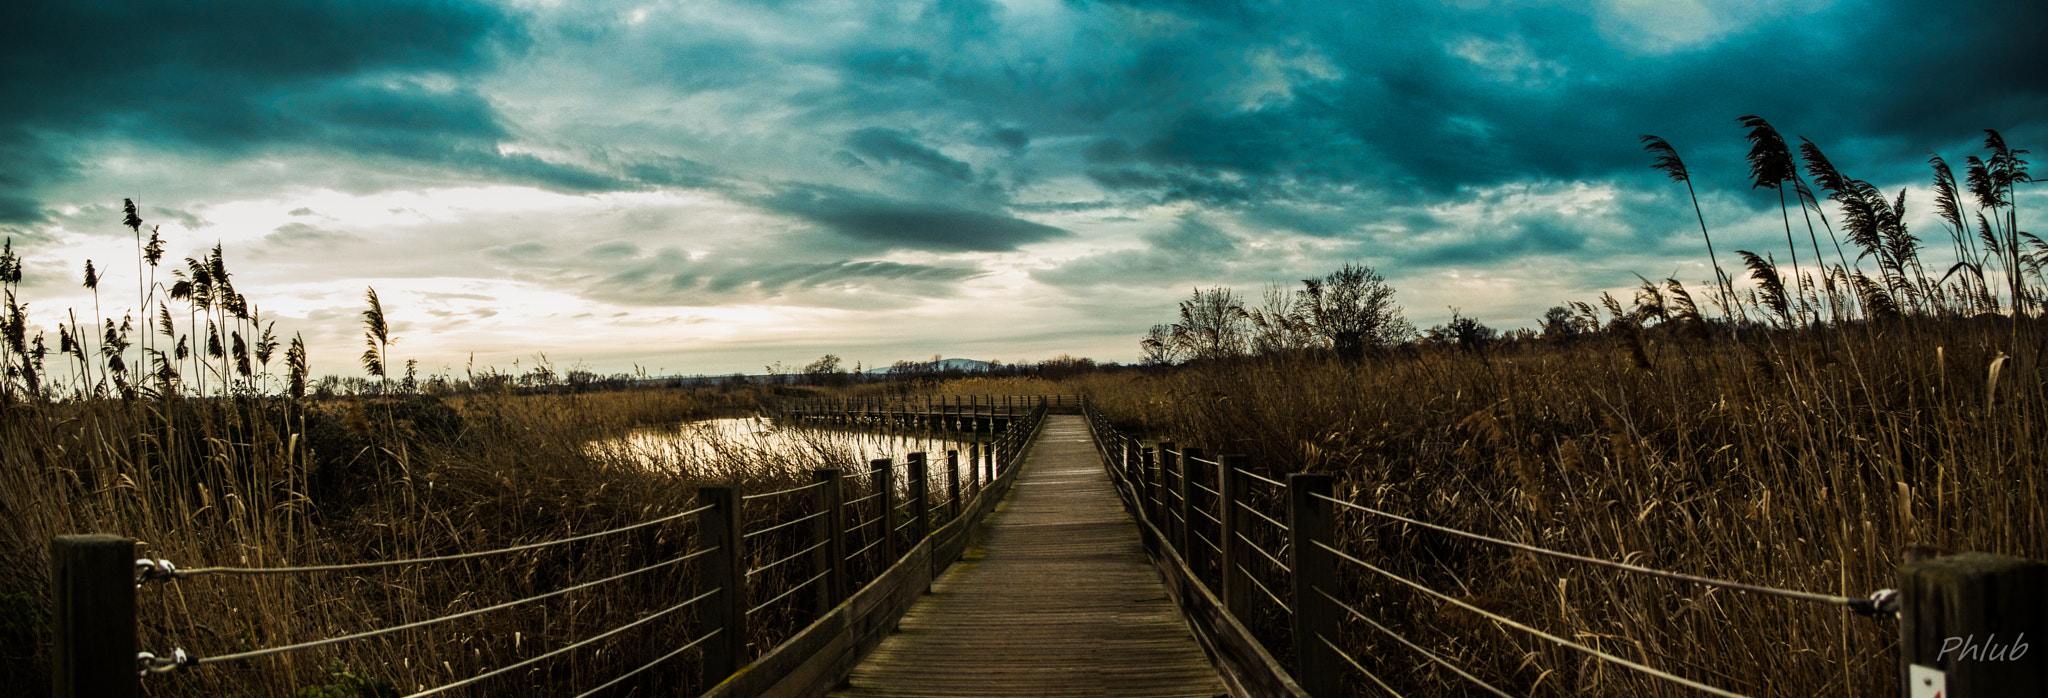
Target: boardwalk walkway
x: 1056, y: 598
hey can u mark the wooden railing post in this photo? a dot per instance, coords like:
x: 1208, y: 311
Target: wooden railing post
x: 1196, y: 554
x: 974, y: 463
x: 726, y: 571
x: 1133, y: 464
x: 883, y: 477
x: 1176, y: 518
x: 952, y: 484
x: 1237, y: 590
x: 830, y: 529
x: 92, y: 588
x: 920, y: 499
x: 1967, y: 624
x: 1309, y: 521
x: 1152, y: 501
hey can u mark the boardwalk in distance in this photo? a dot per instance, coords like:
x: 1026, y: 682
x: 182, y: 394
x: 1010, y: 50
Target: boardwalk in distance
x: 1055, y: 598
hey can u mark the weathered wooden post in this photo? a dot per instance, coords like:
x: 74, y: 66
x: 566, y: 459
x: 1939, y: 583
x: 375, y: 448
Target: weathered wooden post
x: 1237, y: 590
x: 1174, y: 477
x: 1309, y: 522
x: 920, y: 499
x: 719, y: 528
x: 1191, y: 472
x: 92, y: 589
x: 952, y: 485
x: 829, y: 529
x: 1967, y: 624
x: 1152, y: 502
x: 1133, y: 473
x: 883, y: 477
x: 973, y: 463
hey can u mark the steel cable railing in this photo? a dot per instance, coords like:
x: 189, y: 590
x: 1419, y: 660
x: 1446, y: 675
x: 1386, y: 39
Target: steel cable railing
x: 1503, y: 620
x: 778, y: 493
x: 1431, y: 656
x: 156, y: 569
x: 657, y: 660
x: 785, y: 524
x: 1866, y: 606
x: 785, y: 594
x: 1006, y: 447
x: 1153, y: 491
x: 530, y: 661
x: 196, y: 660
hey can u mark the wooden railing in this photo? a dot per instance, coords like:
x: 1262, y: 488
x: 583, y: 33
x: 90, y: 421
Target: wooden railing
x: 1251, y: 558
x: 962, y: 413
x: 865, y: 559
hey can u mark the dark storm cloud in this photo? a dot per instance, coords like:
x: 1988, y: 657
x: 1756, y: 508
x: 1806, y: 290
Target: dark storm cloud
x: 1193, y: 248
x: 375, y: 78
x: 1434, y: 99
x: 898, y: 224
x: 668, y: 277
x: 892, y: 146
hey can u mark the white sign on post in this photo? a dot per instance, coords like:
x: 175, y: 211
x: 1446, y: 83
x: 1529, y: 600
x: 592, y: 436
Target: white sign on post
x: 1927, y: 682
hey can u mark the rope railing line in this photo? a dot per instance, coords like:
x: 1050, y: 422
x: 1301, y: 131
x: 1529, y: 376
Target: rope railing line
x: 1255, y: 512
x: 778, y: 493
x: 1205, y: 541
x: 663, y: 658
x: 253, y: 654
x: 907, y: 523
x: 785, y: 524
x: 857, y: 500
x: 1346, y: 656
x: 529, y: 661
x: 1869, y: 606
x: 1497, y: 618
x: 165, y: 570
x: 792, y: 556
x: 792, y: 590
x: 1205, y: 514
x: 1204, y: 460
x: 1411, y: 645
x: 863, y: 551
x: 863, y: 524
x: 1261, y: 478
x: 1262, y: 587
x: 1197, y: 484
x: 1262, y: 553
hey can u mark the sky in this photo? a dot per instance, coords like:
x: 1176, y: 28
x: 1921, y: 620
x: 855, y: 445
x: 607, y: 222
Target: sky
x: 714, y: 187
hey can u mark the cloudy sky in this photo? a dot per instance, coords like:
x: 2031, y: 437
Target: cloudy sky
x: 709, y: 187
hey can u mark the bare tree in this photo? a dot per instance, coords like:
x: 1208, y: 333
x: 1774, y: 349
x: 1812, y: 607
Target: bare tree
x: 1159, y: 347
x: 1353, y: 309
x: 1280, y: 324
x: 1213, y: 325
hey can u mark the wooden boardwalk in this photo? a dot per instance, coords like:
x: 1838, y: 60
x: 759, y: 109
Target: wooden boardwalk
x: 1054, y: 598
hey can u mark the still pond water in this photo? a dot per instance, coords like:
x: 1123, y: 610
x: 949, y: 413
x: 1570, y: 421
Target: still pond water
x: 718, y: 447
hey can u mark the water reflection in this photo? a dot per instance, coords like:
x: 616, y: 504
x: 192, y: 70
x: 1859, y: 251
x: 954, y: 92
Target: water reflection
x: 748, y: 446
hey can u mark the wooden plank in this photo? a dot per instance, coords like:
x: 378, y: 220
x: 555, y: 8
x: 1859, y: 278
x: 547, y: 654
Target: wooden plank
x: 1054, y: 597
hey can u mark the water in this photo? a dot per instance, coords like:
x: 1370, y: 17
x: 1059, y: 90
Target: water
x: 749, y: 445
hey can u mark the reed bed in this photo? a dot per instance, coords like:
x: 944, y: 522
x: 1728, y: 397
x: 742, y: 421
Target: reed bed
x: 264, y: 482
x: 1811, y: 459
